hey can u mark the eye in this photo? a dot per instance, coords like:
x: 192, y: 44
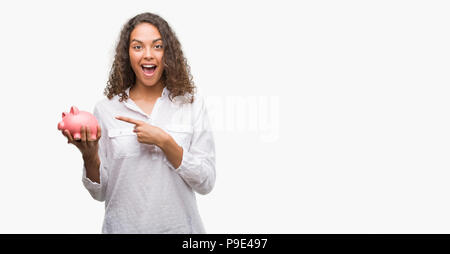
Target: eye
x: 137, y: 47
x: 159, y: 46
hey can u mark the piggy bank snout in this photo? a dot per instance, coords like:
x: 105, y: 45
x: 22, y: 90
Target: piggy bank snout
x: 60, y: 125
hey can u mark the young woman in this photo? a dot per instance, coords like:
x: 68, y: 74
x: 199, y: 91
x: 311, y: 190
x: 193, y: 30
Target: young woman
x: 154, y: 144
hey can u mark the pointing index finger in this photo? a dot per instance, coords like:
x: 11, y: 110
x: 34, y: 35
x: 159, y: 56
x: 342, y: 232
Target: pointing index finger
x: 129, y: 120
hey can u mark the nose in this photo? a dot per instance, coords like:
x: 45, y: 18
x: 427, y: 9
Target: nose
x: 148, y: 54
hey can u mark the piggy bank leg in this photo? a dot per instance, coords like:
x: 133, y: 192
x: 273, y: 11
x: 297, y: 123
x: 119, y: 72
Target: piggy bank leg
x: 77, y: 136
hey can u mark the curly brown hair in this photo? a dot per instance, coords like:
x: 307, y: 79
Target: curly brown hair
x: 176, y: 76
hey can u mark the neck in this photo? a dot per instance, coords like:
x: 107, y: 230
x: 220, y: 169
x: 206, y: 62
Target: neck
x: 147, y: 93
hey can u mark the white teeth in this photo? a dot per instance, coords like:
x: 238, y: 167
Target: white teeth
x: 148, y: 65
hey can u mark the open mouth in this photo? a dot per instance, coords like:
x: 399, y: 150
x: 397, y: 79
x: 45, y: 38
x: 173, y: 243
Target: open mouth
x: 148, y: 69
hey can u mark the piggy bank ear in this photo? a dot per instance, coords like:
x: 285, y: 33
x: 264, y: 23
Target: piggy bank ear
x: 64, y: 114
x: 74, y: 110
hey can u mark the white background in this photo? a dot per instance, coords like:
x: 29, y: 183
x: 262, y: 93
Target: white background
x: 363, y: 139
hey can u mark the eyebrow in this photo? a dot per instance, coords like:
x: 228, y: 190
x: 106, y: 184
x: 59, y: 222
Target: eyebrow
x: 155, y: 40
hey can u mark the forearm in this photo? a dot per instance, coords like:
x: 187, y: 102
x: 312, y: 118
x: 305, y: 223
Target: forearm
x: 92, y: 165
x: 197, y: 169
x: 172, y: 150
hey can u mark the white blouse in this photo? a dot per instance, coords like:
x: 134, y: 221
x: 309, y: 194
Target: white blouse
x: 143, y: 192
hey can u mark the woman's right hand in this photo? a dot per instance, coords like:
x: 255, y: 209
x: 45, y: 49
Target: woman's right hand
x: 87, y: 147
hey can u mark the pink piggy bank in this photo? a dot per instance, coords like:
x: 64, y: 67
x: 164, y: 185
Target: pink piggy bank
x: 75, y: 119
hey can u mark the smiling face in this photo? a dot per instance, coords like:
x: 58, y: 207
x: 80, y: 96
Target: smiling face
x: 146, y: 54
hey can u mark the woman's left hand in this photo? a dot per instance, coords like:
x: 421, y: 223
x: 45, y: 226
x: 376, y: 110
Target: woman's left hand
x: 146, y: 133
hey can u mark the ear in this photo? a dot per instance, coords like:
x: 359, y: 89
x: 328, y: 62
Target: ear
x: 74, y: 110
x: 64, y: 114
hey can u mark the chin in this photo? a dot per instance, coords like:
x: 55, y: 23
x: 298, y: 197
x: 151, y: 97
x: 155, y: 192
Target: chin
x: 149, y: 83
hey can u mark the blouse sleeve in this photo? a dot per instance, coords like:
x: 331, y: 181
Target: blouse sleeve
x: 197, y: 167
x: 98, y: 190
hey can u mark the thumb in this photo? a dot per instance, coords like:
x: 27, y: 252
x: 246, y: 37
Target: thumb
x: 99, y: 132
